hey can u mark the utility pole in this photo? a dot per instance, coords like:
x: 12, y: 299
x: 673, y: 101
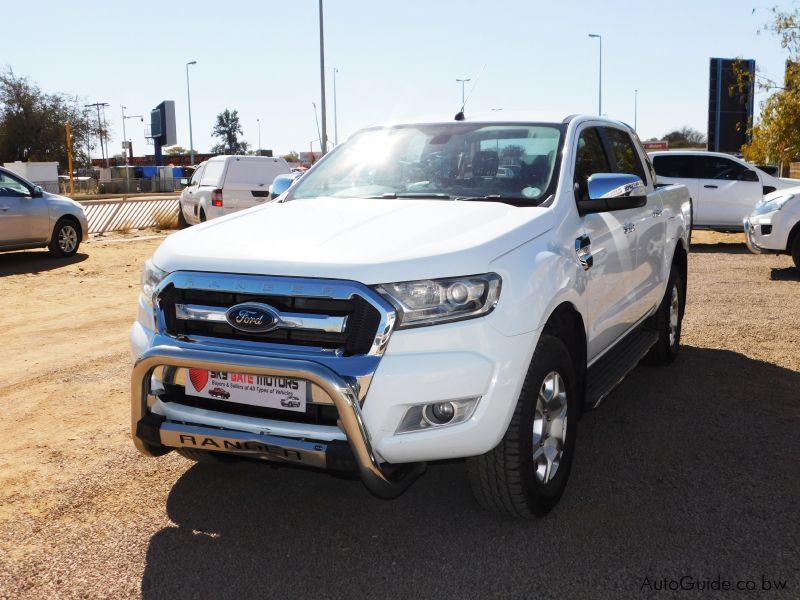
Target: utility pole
x: 635, y: 108
x: 335, y: 119
x: 189, y: 101
x: 69, y: 159
x: 97, y: 105
x: 600, y: 77
x: 324, y: 135
x: 259, y: 137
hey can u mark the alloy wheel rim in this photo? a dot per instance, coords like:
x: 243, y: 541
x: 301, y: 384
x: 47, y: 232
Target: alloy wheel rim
x: 674, y: 313
x: 549, y: 427
x: 67, y: 238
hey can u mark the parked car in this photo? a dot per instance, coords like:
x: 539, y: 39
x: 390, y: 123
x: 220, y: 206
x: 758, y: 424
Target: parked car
x: 723, y: 188
x: 218, y: 392
x: 774, y: 225
x: 33, y: 218
x: 436, y: 310
x: 290, y: 403
x: 225, y: 184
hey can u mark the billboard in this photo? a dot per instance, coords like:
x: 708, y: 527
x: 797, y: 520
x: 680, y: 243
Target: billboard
x: 162, y: 123
x: 730, y: 103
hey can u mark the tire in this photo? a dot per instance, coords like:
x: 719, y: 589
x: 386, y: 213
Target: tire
x: 205, y: 457
x: 526, y: 473
x: 182, y: 222
x: 66, y: 238
x: 667, y: 322
x: 796, y: 250
x: 202, y: 216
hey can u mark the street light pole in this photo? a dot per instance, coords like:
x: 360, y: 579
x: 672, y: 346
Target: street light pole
x: 97, y: 105
x: 189, y: 102
x: 462, y: 82
x: 335, y: 120
x: 600, y: 78
x: 635, y: 108
x: 259, y: 137
x: 324, y: 136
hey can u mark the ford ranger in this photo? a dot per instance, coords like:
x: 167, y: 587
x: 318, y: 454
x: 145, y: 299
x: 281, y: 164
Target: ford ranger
x: 428, y: 291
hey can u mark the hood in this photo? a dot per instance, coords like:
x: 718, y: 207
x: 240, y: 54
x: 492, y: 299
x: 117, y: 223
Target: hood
x: 62, y: 200
x: 371, y: 241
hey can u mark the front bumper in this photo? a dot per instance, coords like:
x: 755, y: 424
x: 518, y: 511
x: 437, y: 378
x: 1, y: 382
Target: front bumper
x: 754, y: 240
x: 153, y: 434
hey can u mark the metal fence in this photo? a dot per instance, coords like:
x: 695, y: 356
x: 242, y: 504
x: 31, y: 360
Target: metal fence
x: 131, y: 213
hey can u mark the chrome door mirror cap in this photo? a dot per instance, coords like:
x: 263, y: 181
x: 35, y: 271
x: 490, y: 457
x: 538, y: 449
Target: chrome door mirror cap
x: 614, y: 185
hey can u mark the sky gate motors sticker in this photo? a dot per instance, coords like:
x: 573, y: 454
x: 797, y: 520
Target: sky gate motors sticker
x: 283, y: 393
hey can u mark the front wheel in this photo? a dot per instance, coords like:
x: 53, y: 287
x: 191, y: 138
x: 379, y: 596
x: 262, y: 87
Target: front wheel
x: 796, y: 250
x: 525, y: 475
x: 66, y: 238
x: 667, y: 322
x: 182, y: 222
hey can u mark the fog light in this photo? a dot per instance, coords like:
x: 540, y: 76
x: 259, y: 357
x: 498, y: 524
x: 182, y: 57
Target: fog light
x: 437, y: 414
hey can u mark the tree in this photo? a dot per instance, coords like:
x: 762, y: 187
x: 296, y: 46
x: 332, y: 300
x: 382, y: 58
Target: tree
x: 685, y: 137
x: 775, y: 138
x: 176, y: 150
x: 291, y: 157
x: 228, y: 129
x: 32, y: 123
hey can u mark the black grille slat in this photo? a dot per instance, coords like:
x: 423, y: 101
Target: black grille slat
x: 363, y: 319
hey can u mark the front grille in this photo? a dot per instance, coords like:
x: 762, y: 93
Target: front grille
x: 359, y: 333
x: 315, y: 414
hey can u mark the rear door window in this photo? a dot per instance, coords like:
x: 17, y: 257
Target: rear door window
x: 197, y: 175
x: 624, y: 153
x: 682, y: 167
x: 212, y: 175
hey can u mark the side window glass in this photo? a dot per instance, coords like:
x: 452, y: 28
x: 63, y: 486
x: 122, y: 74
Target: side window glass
x: 11, y: 187
x: 625, y: 155
x: 714, y: 167
x: 675, y: 166
x: 590, y: 159
x: 198, y: 173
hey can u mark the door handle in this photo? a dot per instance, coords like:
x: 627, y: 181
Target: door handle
x: 583, y: 248
x: 629, y: 228
x: 712, y: 187
x: 657, y: 212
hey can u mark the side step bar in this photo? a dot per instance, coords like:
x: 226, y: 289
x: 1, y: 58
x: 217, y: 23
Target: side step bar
x: 604, y: 375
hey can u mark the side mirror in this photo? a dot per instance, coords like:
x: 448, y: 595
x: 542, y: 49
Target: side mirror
x: 613, y: 191
x: 749, y: 176
x: 37, y: 191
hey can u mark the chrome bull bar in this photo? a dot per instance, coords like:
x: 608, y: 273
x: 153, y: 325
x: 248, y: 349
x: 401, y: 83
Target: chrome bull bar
x: 384, y: 481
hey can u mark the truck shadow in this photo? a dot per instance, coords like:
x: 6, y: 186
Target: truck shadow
x: 34, y: 261
x: 721, y: 248
x: 785, y: 274
x: 686, y: 469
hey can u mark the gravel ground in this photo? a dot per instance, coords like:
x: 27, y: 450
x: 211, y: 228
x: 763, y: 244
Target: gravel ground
x: 690, y: 470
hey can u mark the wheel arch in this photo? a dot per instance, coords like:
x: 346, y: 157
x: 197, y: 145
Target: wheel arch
x: 680, y: 258
x: 567, y: 324
x: 67, y: 217
x: 792, y: 236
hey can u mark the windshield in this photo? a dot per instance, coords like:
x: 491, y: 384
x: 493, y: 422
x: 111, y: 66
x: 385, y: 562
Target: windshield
x: 457, y: 160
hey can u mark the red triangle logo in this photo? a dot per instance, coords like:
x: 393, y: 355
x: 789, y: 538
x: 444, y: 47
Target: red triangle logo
x: 198, y: 378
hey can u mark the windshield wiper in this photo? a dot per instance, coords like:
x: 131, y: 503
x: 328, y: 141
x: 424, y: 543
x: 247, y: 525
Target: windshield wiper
x: 498, y: 197
x: 423, y: 195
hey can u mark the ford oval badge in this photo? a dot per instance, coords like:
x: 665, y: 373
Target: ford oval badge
x: 252, y: 317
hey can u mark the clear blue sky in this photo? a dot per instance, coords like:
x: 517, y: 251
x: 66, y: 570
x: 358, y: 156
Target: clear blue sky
x: 395, y: 59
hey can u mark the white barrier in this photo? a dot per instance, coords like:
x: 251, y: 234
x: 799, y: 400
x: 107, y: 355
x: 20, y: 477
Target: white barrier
x: 131, y: 213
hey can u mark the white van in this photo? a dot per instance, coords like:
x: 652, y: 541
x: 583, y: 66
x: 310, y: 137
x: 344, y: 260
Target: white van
x: 724, y: 189
x: 225, y: 184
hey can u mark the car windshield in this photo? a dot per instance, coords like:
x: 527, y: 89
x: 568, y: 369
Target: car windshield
x: 460, y: 161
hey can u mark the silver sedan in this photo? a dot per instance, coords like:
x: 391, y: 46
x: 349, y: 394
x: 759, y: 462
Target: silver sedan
x: 33, y: 218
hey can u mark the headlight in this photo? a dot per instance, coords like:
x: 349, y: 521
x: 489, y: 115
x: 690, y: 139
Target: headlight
x: 767, y: 206
x: 431, y: 301
x: 151, y: 277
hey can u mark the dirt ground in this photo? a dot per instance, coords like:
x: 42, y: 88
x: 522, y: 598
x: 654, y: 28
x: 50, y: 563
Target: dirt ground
x: 79, y: 508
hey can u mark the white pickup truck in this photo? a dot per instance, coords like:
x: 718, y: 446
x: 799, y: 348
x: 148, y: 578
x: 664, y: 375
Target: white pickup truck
x: 774, y: 225
x: 428, y: 291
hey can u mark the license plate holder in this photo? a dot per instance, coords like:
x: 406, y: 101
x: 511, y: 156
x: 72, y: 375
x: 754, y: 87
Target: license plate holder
x: 267, y: 391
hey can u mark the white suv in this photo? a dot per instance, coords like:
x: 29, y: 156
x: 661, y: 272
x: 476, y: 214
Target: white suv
x: 723, y: 188
x: 774, y: 225
x: 226, y: 184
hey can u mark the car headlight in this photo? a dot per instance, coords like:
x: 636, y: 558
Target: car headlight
x: 432, y: 301
x: 151, y: 277
x: 767, y: 206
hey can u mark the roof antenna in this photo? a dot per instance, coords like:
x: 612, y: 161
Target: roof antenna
x: 460, y: 114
